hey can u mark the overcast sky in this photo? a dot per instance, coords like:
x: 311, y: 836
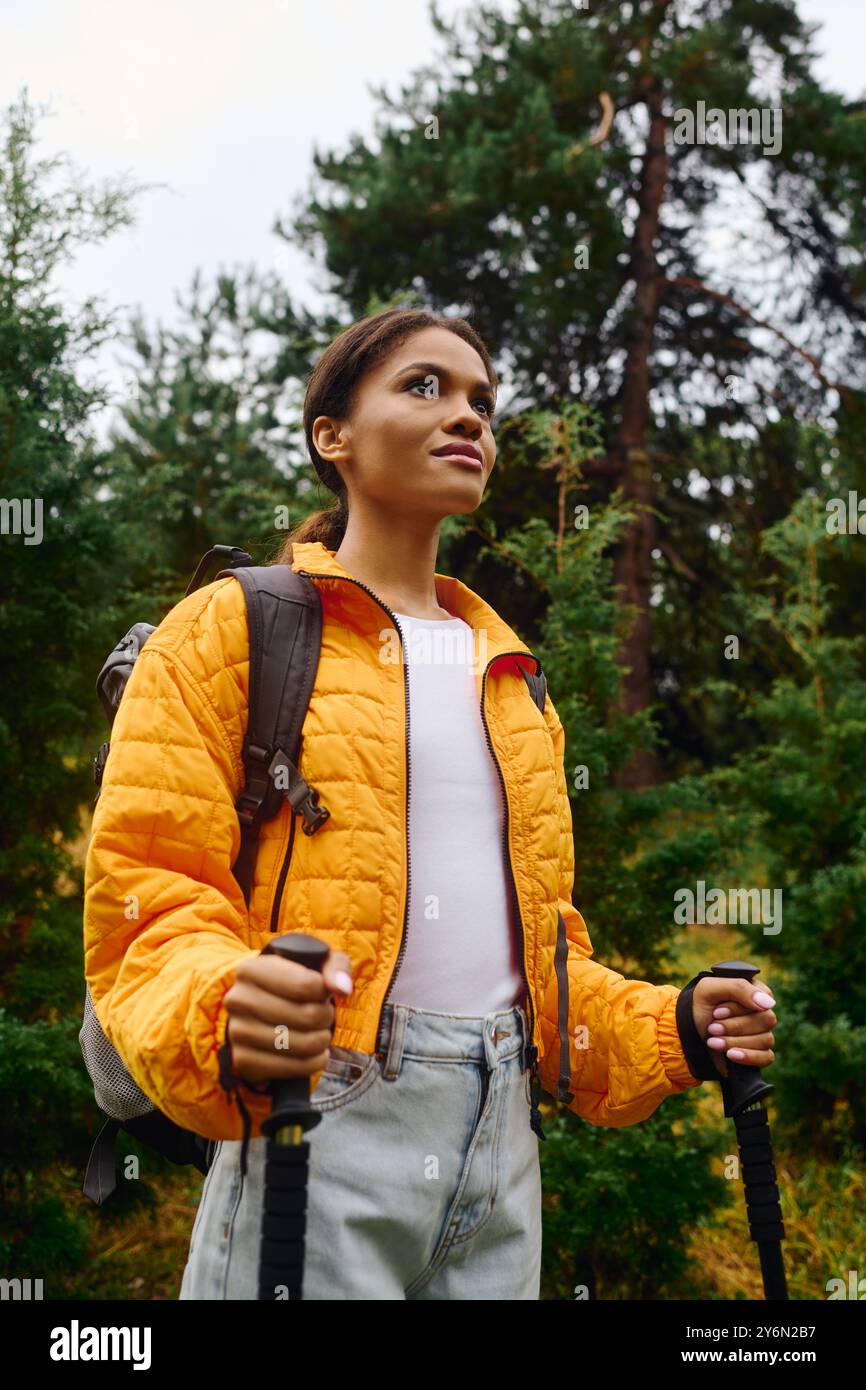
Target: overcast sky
x: 223, y: 103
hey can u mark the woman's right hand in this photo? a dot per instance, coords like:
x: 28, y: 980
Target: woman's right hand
x: 281, y: 1015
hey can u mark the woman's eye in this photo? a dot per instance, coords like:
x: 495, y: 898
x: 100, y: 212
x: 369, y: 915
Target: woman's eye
x: 429, y: 389
x: 430, y: 393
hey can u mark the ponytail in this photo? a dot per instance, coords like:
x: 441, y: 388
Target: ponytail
x: 327, y: 526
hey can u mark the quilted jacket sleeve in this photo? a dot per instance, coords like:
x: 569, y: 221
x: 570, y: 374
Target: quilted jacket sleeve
x: 624, y: 1048
x: 165, y: 923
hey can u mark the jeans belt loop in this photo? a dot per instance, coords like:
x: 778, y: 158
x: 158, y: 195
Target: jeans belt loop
x: 394, y: 1053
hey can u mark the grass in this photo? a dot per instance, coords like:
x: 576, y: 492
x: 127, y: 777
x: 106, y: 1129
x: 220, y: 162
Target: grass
x: 140, y: 1254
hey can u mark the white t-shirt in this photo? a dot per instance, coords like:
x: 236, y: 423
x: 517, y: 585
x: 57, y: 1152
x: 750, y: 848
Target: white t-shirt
x: 461, y: 953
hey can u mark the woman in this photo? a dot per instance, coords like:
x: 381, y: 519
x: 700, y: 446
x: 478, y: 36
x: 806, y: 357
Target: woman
x: 460, y: 971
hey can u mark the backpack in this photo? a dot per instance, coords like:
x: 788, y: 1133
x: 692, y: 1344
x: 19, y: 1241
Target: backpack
x: 284, y: 618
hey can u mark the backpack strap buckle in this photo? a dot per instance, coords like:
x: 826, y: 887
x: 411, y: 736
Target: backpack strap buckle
x: 298, y: 792
x: 314, y: 814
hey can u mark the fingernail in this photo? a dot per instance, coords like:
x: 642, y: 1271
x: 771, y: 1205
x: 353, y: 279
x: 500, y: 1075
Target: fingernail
x: 766, y: 1001
x: 717, y: 1043
x: 344, y: 981
x: 737, y: 1053
x: 717, y: 1029
x: 721, y: 1012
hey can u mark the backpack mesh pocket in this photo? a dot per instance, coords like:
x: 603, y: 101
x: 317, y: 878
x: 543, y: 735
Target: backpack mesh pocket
x: 115, y: 1091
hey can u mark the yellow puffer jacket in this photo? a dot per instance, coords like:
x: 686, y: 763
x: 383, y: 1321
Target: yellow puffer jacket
x: 165, y: 923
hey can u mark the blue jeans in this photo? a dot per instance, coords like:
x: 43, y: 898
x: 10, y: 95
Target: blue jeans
x: 424, y: 1179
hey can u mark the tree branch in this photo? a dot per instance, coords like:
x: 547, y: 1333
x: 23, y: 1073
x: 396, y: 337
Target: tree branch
x: 608, y: 111
x: 511, y: 559
x: 691, y: 283
x: 676, y: 561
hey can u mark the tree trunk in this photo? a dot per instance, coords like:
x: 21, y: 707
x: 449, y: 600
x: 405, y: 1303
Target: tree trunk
x: 633, y: 556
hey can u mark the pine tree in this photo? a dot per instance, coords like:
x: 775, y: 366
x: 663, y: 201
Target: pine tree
x: 59, y: 551
x: 57, y: 542
x: 208, y: 448
x: 796, y: 806
x: 545, y: 183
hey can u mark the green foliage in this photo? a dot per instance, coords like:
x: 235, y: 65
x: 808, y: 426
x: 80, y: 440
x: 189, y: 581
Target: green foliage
x: 45, y: 1094
x: 205, y: 451
x: 46, y: 979
x: 800, y: 796
x: 56, y: 621
x: 47, y: 616
x: 619, y: 1203
x: 49, y: 1238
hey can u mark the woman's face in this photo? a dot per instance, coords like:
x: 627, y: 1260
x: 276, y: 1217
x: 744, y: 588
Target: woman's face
x: 431, y: 394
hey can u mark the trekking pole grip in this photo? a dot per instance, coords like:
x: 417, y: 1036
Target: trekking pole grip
x: 291, y: 1095
x: 743, y: 1086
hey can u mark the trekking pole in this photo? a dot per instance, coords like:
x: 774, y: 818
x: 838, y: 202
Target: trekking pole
x: 284, y: 1212
x: 744, y: 1091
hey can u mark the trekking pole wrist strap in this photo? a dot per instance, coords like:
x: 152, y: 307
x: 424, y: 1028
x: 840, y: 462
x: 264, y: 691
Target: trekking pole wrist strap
x: 697, y: 1054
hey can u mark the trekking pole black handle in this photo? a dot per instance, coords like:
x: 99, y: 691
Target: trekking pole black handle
x: 290, y: 1106
x: 743, y: 1086
x: 744, y: 1090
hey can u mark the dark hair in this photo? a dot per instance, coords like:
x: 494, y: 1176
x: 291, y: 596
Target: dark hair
x: 331, y: 390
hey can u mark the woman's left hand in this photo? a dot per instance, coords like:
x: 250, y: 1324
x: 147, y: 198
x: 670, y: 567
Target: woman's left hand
x: 735, y: 1019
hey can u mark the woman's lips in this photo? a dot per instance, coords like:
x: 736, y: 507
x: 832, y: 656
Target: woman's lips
x: 465, y: 459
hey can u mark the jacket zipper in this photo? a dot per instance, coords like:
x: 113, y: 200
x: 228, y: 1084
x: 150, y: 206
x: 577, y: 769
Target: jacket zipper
x: 401, y: 952
x: 275, y: 911
x: 531, y: 1050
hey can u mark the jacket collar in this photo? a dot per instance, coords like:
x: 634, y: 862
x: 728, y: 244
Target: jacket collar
x: 463, y: 602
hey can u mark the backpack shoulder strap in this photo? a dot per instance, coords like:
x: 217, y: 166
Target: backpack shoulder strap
x: 284, y: 617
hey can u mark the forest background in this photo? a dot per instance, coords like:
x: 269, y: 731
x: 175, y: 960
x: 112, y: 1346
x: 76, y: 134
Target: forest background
x: 674, y: 524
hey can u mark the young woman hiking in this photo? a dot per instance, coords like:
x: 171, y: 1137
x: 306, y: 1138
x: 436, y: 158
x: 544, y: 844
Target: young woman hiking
x: 442, y: 881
